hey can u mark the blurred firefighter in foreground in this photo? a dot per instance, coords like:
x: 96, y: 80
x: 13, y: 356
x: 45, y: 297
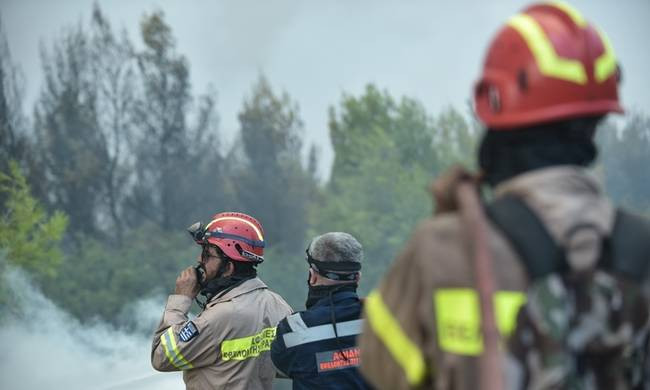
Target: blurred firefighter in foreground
x: 317, y: 347
x: 564, y: 303
x: 227, y: 345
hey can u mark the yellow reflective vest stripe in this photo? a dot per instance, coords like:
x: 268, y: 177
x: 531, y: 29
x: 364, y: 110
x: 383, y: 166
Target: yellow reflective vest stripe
x: 170, y: 346
x: 248, y: 347
x: 389, y: 331
x: 458, y: 318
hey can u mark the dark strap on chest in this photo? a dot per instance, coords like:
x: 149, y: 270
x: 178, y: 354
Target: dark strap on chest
x: 528, y: 236
x: 626, y: 252
x: 630, y: 246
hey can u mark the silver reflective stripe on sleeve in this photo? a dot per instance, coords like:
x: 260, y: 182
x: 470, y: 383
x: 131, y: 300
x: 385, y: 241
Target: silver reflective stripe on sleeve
x: 322, y: 332
x: 175, y: 357
x: 296, y: 323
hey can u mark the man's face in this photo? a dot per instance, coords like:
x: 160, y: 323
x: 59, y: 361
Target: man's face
x: 210, y: 261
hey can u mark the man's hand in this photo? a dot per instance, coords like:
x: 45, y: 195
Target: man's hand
x: 186, y: 283
x: 444, y: 188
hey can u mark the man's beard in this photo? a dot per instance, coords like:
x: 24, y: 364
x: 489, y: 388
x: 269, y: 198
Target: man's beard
x: 220, y: 284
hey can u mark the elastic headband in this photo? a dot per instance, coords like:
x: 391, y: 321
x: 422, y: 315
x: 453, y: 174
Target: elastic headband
x: 335, y: 266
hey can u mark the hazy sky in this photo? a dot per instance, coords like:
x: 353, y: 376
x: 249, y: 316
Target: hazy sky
x: 429, y: 50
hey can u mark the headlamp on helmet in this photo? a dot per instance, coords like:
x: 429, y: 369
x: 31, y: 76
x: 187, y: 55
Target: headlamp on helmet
x: 237, y: 235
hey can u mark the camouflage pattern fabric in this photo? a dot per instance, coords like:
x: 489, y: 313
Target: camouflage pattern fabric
x: 583, y: 331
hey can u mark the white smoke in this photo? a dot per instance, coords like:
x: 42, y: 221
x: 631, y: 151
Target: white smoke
x: 45, y: 348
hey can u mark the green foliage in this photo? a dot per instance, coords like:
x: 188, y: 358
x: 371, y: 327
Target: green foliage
x: 28, y: 235
x: 374, y: 123
x: 286, y: 275
x: 72, y: 152
x: 113, y: 68
x: 271, y: 183
x: 455, y: 141
x: 13, y: 140
x: 379, y: 206
x: 178, y: 170
x: 99, y: 281
x: 156, y: 34
x: 625, y: 157
x: 377, y: 185
x: 7, y: 301
x: 386, y: 154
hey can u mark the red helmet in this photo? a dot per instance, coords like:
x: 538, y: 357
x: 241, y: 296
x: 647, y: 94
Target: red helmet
x: 238, y: 235
x: 547, y: 64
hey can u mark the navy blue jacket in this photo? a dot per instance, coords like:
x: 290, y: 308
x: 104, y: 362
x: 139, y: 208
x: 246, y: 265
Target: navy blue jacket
x: 305, y: 347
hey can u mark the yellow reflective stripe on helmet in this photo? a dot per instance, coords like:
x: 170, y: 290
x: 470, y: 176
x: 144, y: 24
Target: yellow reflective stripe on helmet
x: 458, y: 318
x: 248, y: 347
x: 249, y: 223
x: 174, y: 356
x: 548, y: 62
x: 573, y: 13
x: 389, y: 331
x: 605, y: 64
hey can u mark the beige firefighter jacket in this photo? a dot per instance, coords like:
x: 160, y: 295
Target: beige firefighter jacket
x: 227, y: 345
x: 412, y: 336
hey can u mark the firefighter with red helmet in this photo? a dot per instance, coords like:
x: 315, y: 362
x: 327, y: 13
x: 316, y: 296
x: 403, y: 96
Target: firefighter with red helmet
x: 227, y: 344
x: 566, y: 297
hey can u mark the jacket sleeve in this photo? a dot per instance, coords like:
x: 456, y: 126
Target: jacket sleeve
x: 393, y: 336
x: 181, y: 344
x: 282, y: 356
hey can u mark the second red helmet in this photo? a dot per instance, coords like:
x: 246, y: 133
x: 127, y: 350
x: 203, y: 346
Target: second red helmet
x: 547, y: 64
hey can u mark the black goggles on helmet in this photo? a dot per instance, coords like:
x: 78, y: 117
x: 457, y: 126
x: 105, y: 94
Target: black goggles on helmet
x: 335, y: 270
x: 200, y: 234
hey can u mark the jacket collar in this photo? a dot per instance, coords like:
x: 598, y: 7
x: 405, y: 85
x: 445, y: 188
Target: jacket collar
x: 558, y: 180
x: 336, y: 298
x: 246, y: 287
x: 566, y: 198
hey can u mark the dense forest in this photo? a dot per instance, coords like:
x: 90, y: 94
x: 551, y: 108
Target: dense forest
x: 118, y: 155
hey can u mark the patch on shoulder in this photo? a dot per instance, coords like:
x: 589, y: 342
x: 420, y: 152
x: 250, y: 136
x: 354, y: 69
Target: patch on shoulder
x: 188, y: 332
x: 338, y: 359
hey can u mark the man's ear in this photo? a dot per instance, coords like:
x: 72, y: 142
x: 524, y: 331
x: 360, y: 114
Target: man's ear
x: 313, y: 277
x: 230, y: 270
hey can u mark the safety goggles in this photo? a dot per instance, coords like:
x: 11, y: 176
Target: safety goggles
x: 206, y: 255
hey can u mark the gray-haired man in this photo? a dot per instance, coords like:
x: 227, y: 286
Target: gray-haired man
x: 317, y: 347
